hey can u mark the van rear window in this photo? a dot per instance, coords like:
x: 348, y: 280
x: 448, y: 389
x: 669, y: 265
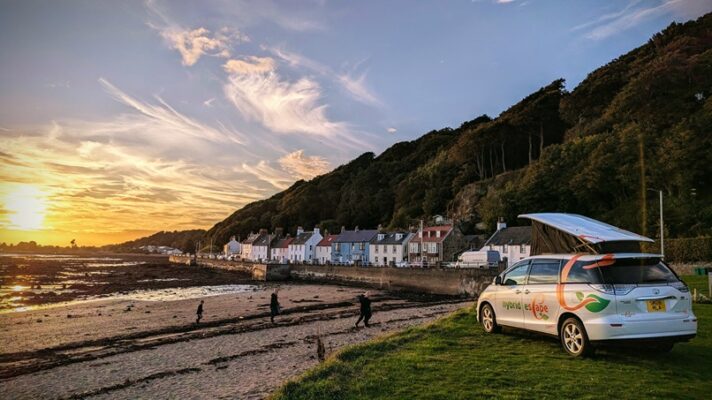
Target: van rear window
x: 638, y: 271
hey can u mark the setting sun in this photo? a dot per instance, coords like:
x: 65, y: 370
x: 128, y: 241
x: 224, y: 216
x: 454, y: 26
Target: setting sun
x: 25, y: 207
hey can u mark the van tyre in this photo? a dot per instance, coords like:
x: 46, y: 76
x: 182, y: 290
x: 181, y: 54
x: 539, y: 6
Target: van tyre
x: 489, y: 320
x: 574, y: 339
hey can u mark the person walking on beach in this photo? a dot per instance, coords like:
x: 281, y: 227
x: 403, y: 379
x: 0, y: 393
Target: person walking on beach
x: 273, y: 306
x: 365, y: 310
x: 199, y: 313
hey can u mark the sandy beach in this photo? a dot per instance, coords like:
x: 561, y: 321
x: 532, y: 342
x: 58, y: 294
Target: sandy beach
x: 129, y: 348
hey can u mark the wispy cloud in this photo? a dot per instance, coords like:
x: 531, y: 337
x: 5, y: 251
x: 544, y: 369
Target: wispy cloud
x: 392, y: 130
x: 166, y: 121
x: 637, y: 12
x: 192, y: 44
x: 264, y: 172
x: 304, y: 167
x: 251, y: 65
x: 352, y: 82
x: 280, y: 105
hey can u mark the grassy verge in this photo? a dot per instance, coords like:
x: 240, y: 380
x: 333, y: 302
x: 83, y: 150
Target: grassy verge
x: 454, y: 359
x: 698, y: 282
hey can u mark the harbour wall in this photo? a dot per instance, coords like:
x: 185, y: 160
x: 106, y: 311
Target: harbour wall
x: 469, y: 282
x: 446, y: 281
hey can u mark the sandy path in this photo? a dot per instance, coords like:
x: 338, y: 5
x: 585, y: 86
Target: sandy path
x: 241, y: 359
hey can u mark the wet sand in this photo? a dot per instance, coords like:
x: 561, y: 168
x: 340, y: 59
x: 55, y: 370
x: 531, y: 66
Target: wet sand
x: 122, y: 349
x: 32, y: 280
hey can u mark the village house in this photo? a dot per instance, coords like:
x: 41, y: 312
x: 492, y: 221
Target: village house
x: 280, y: 249
x: 246, y: 246
x: 323, y: 249
x: 513, y: 242
x: 232, y: 247
x: 303, y: 247
x: 389, y: 248
x: 436, y: 244
x: 261, y: 246
x: 351, y: 247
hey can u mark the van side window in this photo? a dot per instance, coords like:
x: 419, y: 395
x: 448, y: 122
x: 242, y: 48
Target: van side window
x: 544, y: 271
x: 517, y: 275
x: 578, y: 274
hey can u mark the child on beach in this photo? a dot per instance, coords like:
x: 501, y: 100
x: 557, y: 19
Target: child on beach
x: 199, y: 313
x: 273, y: 305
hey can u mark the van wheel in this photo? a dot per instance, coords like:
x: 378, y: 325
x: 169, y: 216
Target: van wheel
x: 574, y: 339
x: 489, y: 320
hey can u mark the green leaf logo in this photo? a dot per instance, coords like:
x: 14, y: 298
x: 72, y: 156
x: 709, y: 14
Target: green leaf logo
x: 596, y: 306
x: 544, y: 317
x: 579, y: 296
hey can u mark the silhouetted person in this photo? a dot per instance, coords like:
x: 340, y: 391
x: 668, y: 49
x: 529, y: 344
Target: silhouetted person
x: 365, y: 310
x: 273, y: 306
x: 199, y: 313
x: 320, y: 349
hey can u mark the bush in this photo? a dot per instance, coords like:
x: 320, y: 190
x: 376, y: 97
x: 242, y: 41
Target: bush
x: 684, y: 249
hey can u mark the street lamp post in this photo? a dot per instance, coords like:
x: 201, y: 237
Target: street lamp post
x: 662, y: 238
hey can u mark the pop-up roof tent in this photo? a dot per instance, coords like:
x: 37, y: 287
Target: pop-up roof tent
x: 573, y: 233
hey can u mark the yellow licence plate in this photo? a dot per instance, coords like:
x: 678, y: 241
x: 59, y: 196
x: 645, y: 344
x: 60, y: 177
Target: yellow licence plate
x: 656, y: 306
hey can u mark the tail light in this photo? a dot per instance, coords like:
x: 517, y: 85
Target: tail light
x: 679, y: 285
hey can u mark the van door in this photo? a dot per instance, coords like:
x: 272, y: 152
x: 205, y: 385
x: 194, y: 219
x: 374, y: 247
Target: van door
x: 509, y: 309
x: 541, y: 307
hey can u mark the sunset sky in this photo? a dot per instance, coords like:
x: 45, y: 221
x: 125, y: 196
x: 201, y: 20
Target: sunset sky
x: 119, y: 119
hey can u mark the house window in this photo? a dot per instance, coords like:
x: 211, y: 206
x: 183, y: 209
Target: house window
x: 504, y: 248
x: 393, y: 249
x: 521, y: 248
x: 361, y: 246
x: 376, y: 258
x: 376, y: 249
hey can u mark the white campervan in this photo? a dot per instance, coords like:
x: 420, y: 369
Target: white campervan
x: 589, y: 294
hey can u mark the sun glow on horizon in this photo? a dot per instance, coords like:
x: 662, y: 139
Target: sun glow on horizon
x: 26, y: 207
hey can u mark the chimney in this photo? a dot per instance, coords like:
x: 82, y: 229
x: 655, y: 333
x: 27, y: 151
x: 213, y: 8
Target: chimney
x: 343, y: 229
x: 300, y: 230
x: 263, y: 231
x: 501, y: 224
x: 232, y: 238
x: 278, y: 232
x: 356, y: 228
x: 316, y: 230
x: 380, y: 228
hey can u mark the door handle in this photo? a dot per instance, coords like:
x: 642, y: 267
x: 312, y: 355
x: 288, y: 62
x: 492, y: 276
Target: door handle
x: 526, y: 291
x: 517, y: 291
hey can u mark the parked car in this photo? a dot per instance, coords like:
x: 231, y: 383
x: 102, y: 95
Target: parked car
x: 586, y: 300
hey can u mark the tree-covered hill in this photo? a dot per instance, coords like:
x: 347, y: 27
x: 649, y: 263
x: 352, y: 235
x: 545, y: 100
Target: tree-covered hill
x: 643, y: 121
x: 182, y: 240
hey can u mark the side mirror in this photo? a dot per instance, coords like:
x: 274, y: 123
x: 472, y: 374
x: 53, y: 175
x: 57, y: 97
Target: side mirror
x: 498, y: 280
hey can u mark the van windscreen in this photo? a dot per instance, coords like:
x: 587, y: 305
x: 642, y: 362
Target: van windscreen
x: 637, y: 271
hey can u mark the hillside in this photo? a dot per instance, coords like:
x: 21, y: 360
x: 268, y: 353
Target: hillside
x: 642, y: 121
x: 182, y: 240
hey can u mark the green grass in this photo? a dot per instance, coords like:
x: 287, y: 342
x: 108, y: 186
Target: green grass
x: 453, y: 358
x: 698, y: 282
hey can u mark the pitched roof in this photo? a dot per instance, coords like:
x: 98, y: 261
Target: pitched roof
x: 585, y: 228
x: 263, y: 240
x: 430, y: 234
x: 302, y: 237
x: 327, y: 240
x: 283, y: 243
x: 390, y: 238
x: 356, y: 236
x: 514, y: 235
x: 251, y: 238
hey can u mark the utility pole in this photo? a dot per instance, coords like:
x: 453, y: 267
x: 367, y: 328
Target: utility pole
x: 662, y: 227
x: 422, y: 244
